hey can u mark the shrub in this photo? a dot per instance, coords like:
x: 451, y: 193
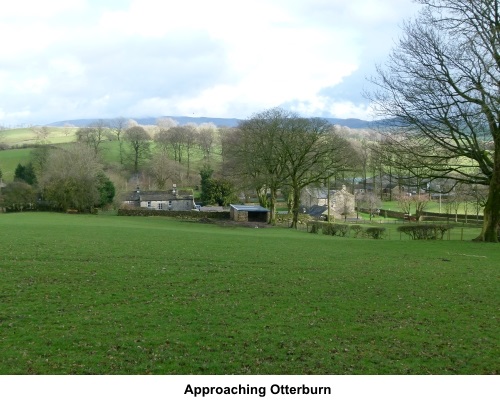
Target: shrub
x: 375, y: 232
x: 425, y: 232
x: 357, y: 230
x: 335, y: 229
x: 315, y: 227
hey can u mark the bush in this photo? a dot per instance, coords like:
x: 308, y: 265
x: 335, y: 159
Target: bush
x: 357, y: 230
x: 425, y: 232
x: 335, y: 229
x: 375, y: 232
x: 315, y: 227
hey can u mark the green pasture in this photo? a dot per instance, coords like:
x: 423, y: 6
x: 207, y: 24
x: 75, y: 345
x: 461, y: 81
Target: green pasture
x: 20, y: 136
x: 103, y: 294
x: 10, y: 158
x: 14, y: 138
x: 435, y: 206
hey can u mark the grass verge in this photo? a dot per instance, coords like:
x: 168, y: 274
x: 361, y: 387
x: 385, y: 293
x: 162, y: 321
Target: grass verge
x: 124, y: 295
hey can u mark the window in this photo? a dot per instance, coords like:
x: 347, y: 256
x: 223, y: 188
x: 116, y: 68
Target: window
x: 170, y: 204
x: 149, y: 204
x: 160, y: 206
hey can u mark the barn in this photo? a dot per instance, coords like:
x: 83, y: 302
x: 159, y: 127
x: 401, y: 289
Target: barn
x: 249, y: 213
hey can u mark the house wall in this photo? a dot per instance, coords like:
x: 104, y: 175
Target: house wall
x: 343, y: 200
x: 308, y: 200
x: 239, y: 216
x: 245, y: 216
x: 176, y: 205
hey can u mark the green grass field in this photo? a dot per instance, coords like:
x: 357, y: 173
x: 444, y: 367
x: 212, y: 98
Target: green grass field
x: 19, y: 136
x: 123, y: 295
x: 9, y: 159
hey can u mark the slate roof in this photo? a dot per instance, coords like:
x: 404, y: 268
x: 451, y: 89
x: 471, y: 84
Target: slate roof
x: 249, y: 208
x: 317, y: 210
x: 317, y: 192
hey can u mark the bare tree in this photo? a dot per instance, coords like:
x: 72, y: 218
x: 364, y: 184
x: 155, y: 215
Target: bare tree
x: 277, y: 149
x: 162, y: 141
x: 94, y: 135
x: 67, y: 129
x: 190, y: 136
x: 408, y: 201
x: 138, y: 141
x: 344, y: 208
x: 477, y: 195
x: 364, y: 156
x: 41, y: 133
x: 166, y: 123
x: 131, y: 123
x: 117, y: 127
x: 405, y: 203
x: 311, y: 151
x: 370, y: 202
x: 39, y: 157
x: 163, y: 169
x: 176, y: 139
x: 206, y: 139
x: 253, y: 153
x: 441, y: 83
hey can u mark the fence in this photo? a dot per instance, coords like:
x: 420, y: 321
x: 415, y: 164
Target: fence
x: 367, y: 229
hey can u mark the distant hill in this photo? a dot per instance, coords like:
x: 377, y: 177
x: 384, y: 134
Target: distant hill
x: 182, y: 120
x: 353, y: 123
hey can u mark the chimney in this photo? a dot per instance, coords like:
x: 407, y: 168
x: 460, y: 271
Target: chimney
x: 174, y: 189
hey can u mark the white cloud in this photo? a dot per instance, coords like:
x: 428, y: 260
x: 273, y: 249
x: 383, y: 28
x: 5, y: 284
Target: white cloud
x: 23, y: 9
x: 72, y: 58
x: 67, y: 66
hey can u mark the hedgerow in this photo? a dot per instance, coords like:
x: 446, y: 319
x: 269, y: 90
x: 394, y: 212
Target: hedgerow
x: 425, y: 231
x: 375, y: 232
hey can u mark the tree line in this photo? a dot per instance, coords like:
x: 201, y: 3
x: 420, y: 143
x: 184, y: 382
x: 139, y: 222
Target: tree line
x: 440, y: 87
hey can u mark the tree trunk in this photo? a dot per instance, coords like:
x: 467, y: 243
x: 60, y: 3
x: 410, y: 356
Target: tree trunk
x: 272, y: 207
x: 262, y: 196
x: 491, y: 219
x: 295, y: 207
x: 120, y: 144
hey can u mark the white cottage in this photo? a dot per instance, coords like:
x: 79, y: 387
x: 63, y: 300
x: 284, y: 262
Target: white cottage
x: 172, y: 200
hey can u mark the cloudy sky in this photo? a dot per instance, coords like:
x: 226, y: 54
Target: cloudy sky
x: 69, y: 59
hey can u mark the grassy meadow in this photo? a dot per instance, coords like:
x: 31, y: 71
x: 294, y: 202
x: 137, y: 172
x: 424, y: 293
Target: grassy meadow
x: 14, y: 138
x: 20, y: 136
x: 9, y: 159
x: 103, y: 294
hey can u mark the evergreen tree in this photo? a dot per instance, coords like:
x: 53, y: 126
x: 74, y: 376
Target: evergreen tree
x: 25, y: 173
x: 106, y: 190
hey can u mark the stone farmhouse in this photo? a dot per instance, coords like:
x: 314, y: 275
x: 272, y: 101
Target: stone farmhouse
x: 172, y: 200
x: 314, y: 201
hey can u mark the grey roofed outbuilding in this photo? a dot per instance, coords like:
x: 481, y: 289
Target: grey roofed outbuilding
x: 249, y: 208
x: 243, y: 213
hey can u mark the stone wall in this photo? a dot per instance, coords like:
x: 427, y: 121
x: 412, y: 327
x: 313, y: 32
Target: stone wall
x: 173, y: 214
